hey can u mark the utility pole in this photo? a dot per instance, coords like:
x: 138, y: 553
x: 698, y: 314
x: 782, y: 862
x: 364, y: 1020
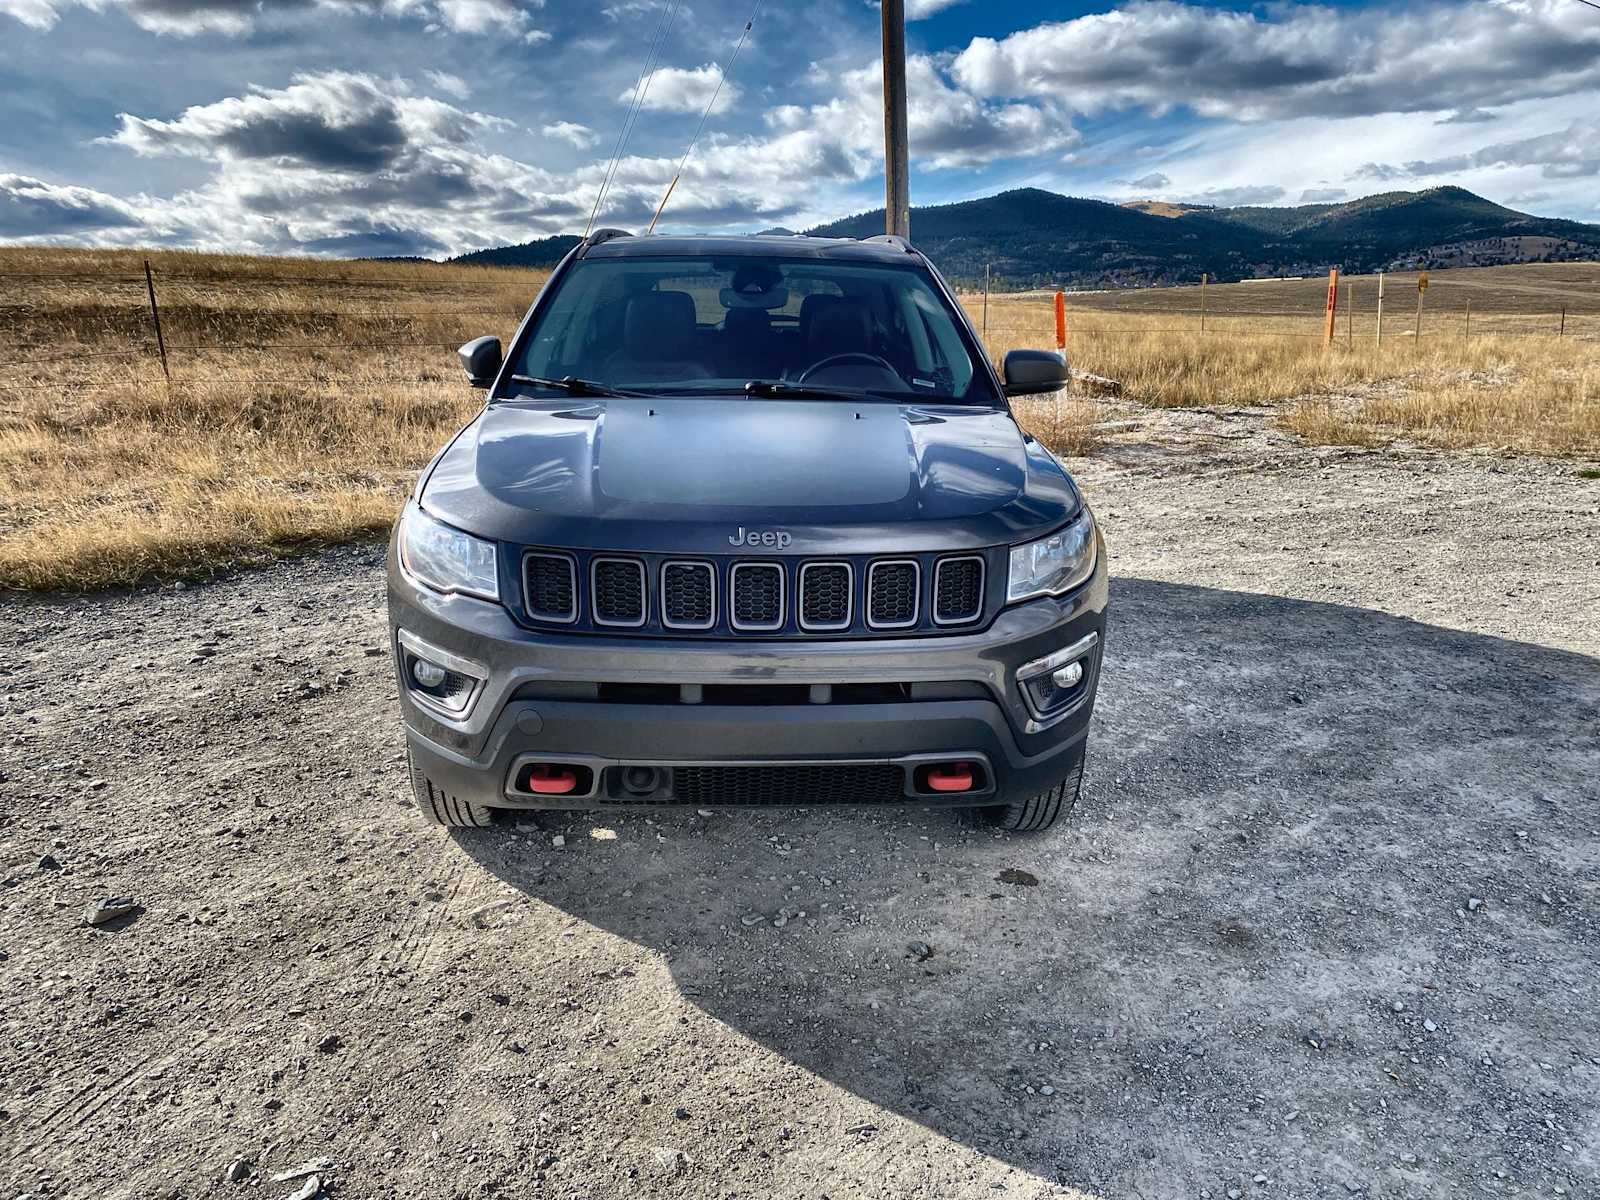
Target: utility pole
x: 896, y: 150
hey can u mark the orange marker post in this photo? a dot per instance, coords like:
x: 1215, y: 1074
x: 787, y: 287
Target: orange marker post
x: 1333, y: 305
x: 1061, y: 321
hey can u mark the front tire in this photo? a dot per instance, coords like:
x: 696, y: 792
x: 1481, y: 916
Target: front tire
x: 1038, y: 813
x: 438, y: 807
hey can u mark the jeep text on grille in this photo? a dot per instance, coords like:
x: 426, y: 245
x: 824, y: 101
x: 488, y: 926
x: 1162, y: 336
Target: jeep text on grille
x: 747, y: 521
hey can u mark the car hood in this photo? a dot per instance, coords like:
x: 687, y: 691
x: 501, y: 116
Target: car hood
x: 686, y: 474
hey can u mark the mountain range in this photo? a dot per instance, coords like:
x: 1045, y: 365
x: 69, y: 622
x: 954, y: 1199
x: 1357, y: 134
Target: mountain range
x: 1030, y: 237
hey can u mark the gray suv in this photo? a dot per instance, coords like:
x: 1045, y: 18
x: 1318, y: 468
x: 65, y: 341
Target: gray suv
x: 747, y: 521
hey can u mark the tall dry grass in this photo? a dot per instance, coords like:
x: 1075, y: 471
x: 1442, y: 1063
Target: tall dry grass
x: 305, y: 394
x: 1529, y: 392
x: 304, y: 397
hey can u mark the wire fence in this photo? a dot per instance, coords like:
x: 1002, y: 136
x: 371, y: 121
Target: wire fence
x: 130, y: 307
x: 192, y: 301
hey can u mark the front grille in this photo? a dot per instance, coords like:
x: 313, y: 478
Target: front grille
x: 618, y: 591
x: 757, y: 596
x: 550, y: 588
x: 892, y: 594
x: 845, y: 783
x: 958, y: 590
x: 825, y: 595
x: 688, y: 595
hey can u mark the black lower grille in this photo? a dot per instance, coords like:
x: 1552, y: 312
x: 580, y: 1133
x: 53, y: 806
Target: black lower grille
x: 825, y: 595
x: 688, y: 595
x: 958, y: 590
x: 892, y: 594
x: 757, y: 596
x: 618, y: 591
x: 869, y: 783
x: 549, y: 585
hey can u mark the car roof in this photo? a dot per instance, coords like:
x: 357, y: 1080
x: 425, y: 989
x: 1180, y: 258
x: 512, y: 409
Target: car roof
x: 766, y: 245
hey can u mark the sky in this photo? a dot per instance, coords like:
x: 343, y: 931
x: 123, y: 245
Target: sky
x: 433, y: 127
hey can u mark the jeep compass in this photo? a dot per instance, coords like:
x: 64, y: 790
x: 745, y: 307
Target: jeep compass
x: 747, y: 521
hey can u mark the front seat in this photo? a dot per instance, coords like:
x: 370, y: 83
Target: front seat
x: 659, y: 339
x: 833, y: 325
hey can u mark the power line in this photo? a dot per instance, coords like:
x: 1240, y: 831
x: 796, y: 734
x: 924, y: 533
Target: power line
x: 1590, y: 3
x: 641, y: 89
x: 722, y: 78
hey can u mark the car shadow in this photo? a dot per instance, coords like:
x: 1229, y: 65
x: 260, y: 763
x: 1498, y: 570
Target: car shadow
x: 1288, y: 808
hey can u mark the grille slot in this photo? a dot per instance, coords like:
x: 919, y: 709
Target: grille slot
x: 688, y: 595
x: 757, y: 596
x: 617, y: 591
x: 958, y: 590
x: 550, y: 587
x: 892, y: 588
x: 808, y: 784
x: 825, y: 595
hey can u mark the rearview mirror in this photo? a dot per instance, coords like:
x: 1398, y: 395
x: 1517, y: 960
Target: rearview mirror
x: 480, y: 359
x: 1030, y: 372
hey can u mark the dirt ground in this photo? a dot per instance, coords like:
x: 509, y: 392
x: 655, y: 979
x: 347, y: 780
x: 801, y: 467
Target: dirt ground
x: 1326, y: 923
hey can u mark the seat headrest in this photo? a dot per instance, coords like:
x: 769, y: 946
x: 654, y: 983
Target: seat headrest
x: 658, y: 326
x: 842, y: 325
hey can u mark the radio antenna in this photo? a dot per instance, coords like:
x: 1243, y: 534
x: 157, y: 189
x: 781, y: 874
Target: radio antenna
x: 722, y: 77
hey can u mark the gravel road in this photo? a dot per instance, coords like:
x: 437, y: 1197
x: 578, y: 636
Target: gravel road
x: 1327, y: 922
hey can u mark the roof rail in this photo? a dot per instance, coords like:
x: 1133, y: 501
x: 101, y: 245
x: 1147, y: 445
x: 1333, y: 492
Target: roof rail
x: 602, y: 235
x: 892, y: 239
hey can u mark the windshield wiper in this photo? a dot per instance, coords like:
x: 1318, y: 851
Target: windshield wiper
x: 778, y: 387
x: 574, y: 386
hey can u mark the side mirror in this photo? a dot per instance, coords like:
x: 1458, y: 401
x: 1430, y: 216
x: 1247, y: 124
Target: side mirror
x: 480, y: 359
x: 1030, y: 372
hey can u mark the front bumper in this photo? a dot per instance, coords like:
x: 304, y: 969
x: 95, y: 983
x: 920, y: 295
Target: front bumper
x: 958, y: 698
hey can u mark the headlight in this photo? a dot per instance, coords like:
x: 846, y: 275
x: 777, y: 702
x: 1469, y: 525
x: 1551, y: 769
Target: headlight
x: 446, y: 559
x: 1054, y: 564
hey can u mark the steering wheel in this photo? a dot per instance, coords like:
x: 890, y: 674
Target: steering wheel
x: 853, y: 357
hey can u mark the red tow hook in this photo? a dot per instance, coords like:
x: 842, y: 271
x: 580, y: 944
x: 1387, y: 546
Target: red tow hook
x: 548, y: 779
x: 949, y: 777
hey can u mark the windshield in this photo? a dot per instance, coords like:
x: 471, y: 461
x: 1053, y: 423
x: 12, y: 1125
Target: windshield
x: 769, y: 326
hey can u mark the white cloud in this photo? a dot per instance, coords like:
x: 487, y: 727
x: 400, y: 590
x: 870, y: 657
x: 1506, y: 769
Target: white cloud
x: 32, y: 208
x: 684, y: 89
x: 916, y: 10
x: 578, y: 135
x: 450, y: 85
x: 481, y: 16
x: 1294, y: 59
x: 188, y: 18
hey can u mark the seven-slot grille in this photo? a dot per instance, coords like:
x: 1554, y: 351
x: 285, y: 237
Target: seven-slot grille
x: 757, y: 596
x: 618, y: 590
x: 825, y: 595
x: 839, y: 596
x: 892, y: 587
x: 958, y: 590
x: 550, y: 587
x: 688, y: 595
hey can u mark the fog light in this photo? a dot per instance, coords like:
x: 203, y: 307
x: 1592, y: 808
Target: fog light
x: 1068, y: 676
x: 429, y: 675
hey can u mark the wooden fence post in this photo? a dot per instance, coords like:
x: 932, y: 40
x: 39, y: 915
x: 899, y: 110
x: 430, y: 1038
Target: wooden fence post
x: 1380, y: 310
x: 986, y: 303
x: 1203, y: 277
x: 1563, y: 332
x: 155, y: 317
x: 1422, y: 288
x: 1466, y: 335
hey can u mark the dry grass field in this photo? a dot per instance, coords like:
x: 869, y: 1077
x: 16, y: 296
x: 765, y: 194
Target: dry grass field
x: 305, y: 394
x: 304, y: 397
x: 1505, y: 377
